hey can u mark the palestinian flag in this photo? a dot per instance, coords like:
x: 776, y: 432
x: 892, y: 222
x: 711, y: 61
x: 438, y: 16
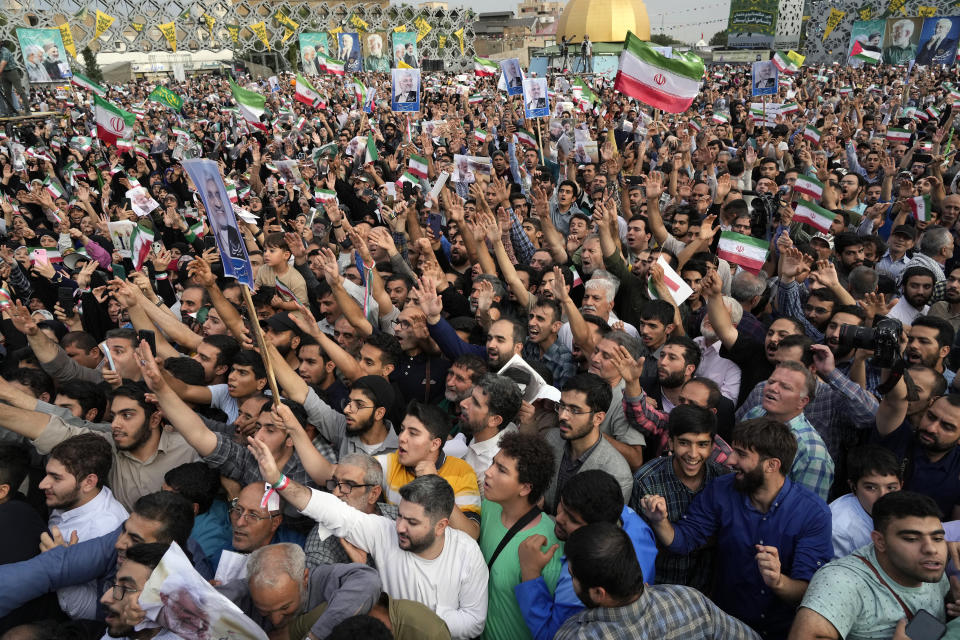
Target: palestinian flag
x: 88, y: 84
x: 812, y: 134
x: 869, y: 56
x: 113, y: 123
x: 305, y: 92
x: 814, y: 215
x: 475, y: 99
x: 372, y: 154
x: 526, y: 138
x: 141, y: 242
x: 920, y: 207
x: 749, y: 253
x: 285, y: 291
x: 720, y: 118
x: 808, y: 186
x: 783, y: 63
x: 898, y: 135
x: 664, y: 83
x: 417, y: 166
x: 251, y: 105
x: 484, y: 67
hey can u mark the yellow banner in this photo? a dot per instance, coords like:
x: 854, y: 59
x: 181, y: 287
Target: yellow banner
x: 459, y: 34
x: 403, y: 65
x: 234, y: 31
x: 401, y: 29
x: 359, y: 23
x: 866, y: 13
x: 422, y: 28
x: 926, y: 12
x: 210, y: 20
x: 286, y: 34
x: 103, y: 23
x: 441, y: 41
x: 260, y: 29
x: 286, y: 21
x: 796, y: 57
x: 169, y: 31
x: 897, y: 5
x: 137, y: 26
x: 832, y: 21
x: 67, y: 36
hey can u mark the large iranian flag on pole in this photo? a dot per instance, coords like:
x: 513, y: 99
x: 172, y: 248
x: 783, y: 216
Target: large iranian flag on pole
x: 670, y: 84
x: 141, y: 242
x: 920, y: 207
x: 484, y: 67
x: 88, y: 84
x: 814, y: 215
x: 867, y: 55
x: 251, y: 105
x: 783, y: 63
x: 113, y: 123
x: 808, y: 186
x: 305, y: 92
x: 749, y: 253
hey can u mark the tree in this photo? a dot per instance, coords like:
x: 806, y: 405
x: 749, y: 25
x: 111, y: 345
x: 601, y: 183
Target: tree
x: 663, y: 40
x: 90, y: 66
x: 719, y: 39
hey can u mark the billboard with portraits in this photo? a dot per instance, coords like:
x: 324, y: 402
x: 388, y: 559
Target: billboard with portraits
x: 44, y: 57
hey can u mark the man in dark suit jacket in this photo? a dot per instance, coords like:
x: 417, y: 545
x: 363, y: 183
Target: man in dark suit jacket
x: 939, y: 49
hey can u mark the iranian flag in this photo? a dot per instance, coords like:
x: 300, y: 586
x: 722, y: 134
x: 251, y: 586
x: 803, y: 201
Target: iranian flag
x: 812, y: 134
x: 417, y: 166
x: 526, y: 138
x: 372, y: 154
x: 331, y: 65
x: 305, y: 92
x: 696, y: 124
x: 664, y: 83
x: 141, y: 242
x: 232, y: 193
x: 585, y: 93
x: 867, y: 55
x: 749, y: 253
x: 285, y: 291
x: 251, y: 105
x: 480, y: 135
x: 783, y: 63
x: 88, y: 84
x: 790, y: 107
x: 6, y: 301
x: 577, y: 281
x: 920, y: 207
x: 475, y: 99
x: 814, y: 215
x: 113, y: 123
x: 53, y: 188
x: 720, y: 118
x: 484, y: 67
x: 898, y: 135
x: 808, y: 186
x: 406, y: 177
x: 53, y: 256
x: 933, y: 112
x: 324, y: 195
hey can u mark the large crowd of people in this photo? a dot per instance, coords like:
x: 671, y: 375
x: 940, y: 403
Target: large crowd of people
x: 471, y: 399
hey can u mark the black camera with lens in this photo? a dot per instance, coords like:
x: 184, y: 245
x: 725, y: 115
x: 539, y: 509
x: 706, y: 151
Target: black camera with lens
x: 883, y: 339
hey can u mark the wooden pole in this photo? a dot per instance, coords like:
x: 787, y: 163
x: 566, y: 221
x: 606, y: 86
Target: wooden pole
x: 261, y: 344
x: 539, y: 141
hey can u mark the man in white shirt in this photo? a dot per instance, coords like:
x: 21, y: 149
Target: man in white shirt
x: 721, y: 370
x: 419, y: 557
x: 874, y: 472
x: 917, y: 285
x: 81, y: 508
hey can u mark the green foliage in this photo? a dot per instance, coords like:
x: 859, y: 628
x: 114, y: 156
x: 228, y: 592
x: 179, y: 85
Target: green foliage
x: 663, y: 40
x: 90, y: 67
x: 719, y: 39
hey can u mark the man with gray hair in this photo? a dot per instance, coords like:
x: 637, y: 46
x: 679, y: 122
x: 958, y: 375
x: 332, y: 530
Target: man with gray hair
x: 598, y: 296
x: 358, y: 481
x: 936, y: 247
x: 900, y: 50
x: 283, y: 596
x: 712, y: 365
x: 748, y: 289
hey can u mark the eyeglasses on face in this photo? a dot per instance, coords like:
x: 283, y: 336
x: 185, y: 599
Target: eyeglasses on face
x: 120, y: 591
x: 238, y: 512
x: 560, y: 408
x: 345, y: 486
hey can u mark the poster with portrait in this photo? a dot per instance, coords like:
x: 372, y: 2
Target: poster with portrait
x: 220, y: 217
x: 312, y: 46
x: 405, y: 93
x: 141, y: 202
x: 938, y: 41
x: 405, y: 52
x: 44, y: 58
x: 900, y: 40
x: 178, y: 599
x: 535, y: 102
x: 512, y: 76
x: 349, y: 52
x: 585, y: 149
x: 121, y: 232
x: 289, y: 171
x: 869, y: 33
x: 764, y: 77
x: 376, y: 57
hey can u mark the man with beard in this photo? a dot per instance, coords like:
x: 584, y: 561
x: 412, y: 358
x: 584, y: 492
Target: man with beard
x: 485, y: 415
x: 844, y: 356
x: 678, y: 361
x: 121, y: 601
x: 318, y: 371
x: 917, y: 286
x: 816, y: 311
x: 851, y: 188
x: 543, y: 326
x: 81, y: 507
x: 594, y: 497
x: 419, y: 557
x: 284, y: 334
x: 949, y: 307
x: 143, y: 451
x: 764, y: 578
x: 459, y: 258
x: 928, y: 343
x: 786, y: 393
x: 849, y: 598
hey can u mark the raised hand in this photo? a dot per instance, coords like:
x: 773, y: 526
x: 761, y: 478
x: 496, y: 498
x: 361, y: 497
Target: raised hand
x: 629, y: 368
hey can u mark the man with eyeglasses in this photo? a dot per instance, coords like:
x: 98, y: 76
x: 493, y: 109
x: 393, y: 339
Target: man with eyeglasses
x: 121, y: 600
x: 253, y: 526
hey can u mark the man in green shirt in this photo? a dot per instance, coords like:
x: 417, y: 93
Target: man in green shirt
x: 513, y: 485
x: 901, y: 49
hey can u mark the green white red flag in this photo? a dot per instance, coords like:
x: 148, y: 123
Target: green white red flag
x: 736, y: 248
x: 305, y: 93
x: 484, y: 67
x: 113, y: 123
x: 814, y: 215
x: 920, y: 207
x: 808, y: 186
x: 141, y: 243
x: 252, y: 105
x: 670, y: 84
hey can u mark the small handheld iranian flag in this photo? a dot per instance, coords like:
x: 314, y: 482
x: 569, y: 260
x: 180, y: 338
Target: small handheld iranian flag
x: 417, y: 166
x: 898, y: 135
x: 484, y: 67
x: 325, y: 195
x: 305, y: 92
x: 920, y: 207
x: 808, y: 186
x: 577, y: 280
x: 790, y: 107
x: 113, y: 123
x: 696, y: 124
x: 670, y: 84
x: 141, y: 242
x: 526, y: 138
x: 372, y: 154
x: 475, y: 99
x: 332, y: 66
x: 480, y: 135
x: 6, y: 300
x: 252, y: 105
x: 678, y: 287
x: 53, y: 188
x: 749, y: 253
x: 720, y: 118
x: 814, y: 215
x: 88, y: 84
x: 933, y: 112
x: 407, y: 177
x: 783, y: 63
x: 812, y: 134
x: 286, y: 291
x: 869, y: 56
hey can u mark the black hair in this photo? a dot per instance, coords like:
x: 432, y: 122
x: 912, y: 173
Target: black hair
x: 535, y: 461
x: 170, y: 509
x: 185, y: 369
x: 691, y: 351
x: 228, y: 347
x: 83, y: 455
x: 360, y: 626
x: 602, y: 555
x: 770, y: 438
x: 599, y: 395
x: 943, y: 328
x: 87, y: 394
x: 595, y: 496
x: 390, y: 350
x: 149, y: 554
x: 431, y: 492
x: 871, y: 459
x: 434, y: 419
x: 252, y: 359
x: 659, y: 310
x: 195, y: 481
x: 36, y: 380
x: 903, y: 504
x: 14, y: 465
x: 79, y: 339
x: 137, y: 391
x: 689, y: 418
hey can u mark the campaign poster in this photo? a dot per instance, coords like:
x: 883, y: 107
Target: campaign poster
x: 513, y: 76
x: 752, y: 23
x: 938, y: 41
x: 535, y: 102
x: 350, y: 52
x: 900, y: 40
x: 44, y: 58
x: 764, y: 76
x: 220, y: 217
x: 312, y: 47
x: 869, y: 33
x: 376, y: 54
x: 405, y: 93
x: 405, y: 52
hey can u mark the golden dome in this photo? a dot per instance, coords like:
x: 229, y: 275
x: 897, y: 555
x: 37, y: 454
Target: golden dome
x: 604, y: 20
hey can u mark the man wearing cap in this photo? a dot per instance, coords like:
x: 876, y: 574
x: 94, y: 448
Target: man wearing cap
x: 285, y: 335
x: 895, y: 260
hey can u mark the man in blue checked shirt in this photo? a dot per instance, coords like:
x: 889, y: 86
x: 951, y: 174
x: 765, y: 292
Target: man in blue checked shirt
x: 771, y: 534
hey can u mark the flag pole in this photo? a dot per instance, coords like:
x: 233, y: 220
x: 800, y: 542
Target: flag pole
x: 261, y: 344
x: 539, y: 141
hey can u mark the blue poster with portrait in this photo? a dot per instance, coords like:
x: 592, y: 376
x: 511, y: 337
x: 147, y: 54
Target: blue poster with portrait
x: 536, y: 101
x: 938, y: 41
x: 405, y: 92
x: 349, y: 52
x: 764, y: 78
x: 512, y: 76
x: 223, y: 224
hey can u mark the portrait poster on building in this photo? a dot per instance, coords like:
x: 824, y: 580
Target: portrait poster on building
x: 405, y: 54
x: 44, y: 57
x: 312, y: 46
